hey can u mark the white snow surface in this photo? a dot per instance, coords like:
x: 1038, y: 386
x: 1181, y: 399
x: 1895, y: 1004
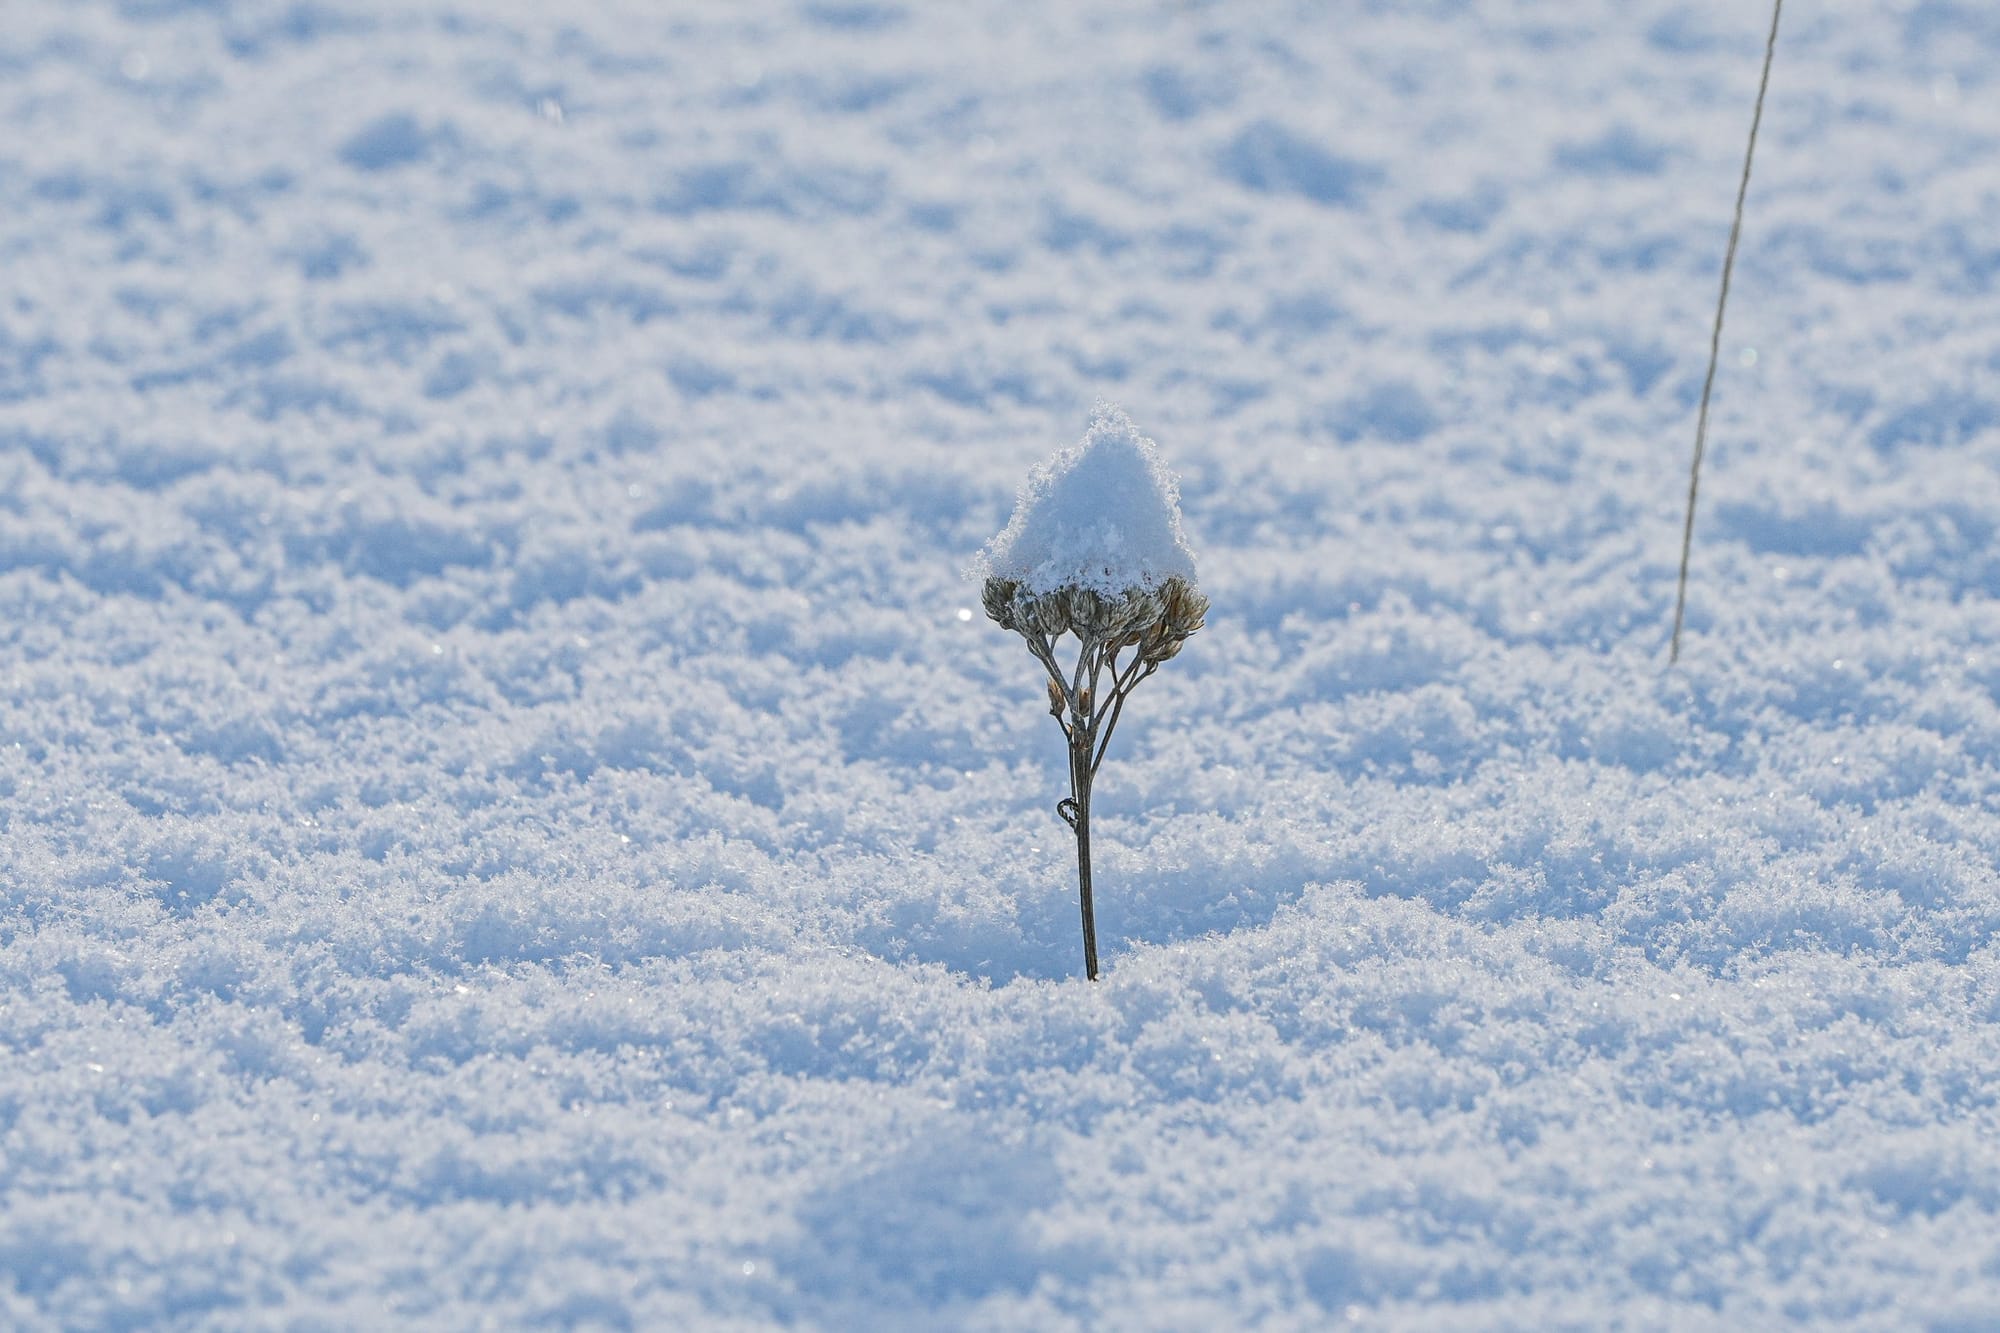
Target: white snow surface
x: 1104, y: 515
x: 509, y: 816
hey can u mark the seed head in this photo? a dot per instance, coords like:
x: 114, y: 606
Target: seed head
x: 997, y: 596
x: 1183, y: 610
x: 1047, y: 613
x: 1155, y: 621
x: 1086, y: 611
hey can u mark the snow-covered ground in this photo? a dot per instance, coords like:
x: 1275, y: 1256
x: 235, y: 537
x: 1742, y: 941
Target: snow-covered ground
x: 510, y: 813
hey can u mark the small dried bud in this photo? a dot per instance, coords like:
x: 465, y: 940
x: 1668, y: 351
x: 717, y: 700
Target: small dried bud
x: 1055, y: 698
x: 1183, y: 611
x: 997, y: 595
x: 1185, y: 606
x: 1129, y: 617
x: 1086, y: 611
x: 1047, y: 614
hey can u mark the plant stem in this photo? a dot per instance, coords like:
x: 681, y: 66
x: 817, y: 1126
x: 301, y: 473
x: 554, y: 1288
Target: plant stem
x: 1092, y: 716
x: 1715, y: 338
x: 1079, y: 785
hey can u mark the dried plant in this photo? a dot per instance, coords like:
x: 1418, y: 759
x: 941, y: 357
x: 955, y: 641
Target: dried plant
x: 1715, y: 340
x: 1121, y: 641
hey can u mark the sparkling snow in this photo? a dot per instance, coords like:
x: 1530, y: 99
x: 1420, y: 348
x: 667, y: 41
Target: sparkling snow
x: 504, y: 823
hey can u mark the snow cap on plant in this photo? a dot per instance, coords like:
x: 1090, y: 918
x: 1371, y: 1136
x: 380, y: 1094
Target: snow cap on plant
x: 1102, y: 515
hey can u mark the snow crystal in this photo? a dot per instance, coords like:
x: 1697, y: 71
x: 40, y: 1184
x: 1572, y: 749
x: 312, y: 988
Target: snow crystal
x: 1103, y: 514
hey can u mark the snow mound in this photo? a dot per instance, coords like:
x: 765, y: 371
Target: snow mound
x: 1103, y: 514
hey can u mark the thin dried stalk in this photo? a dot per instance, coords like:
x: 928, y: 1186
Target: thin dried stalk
x: 1088, y: 700
x: 1715, y: 339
